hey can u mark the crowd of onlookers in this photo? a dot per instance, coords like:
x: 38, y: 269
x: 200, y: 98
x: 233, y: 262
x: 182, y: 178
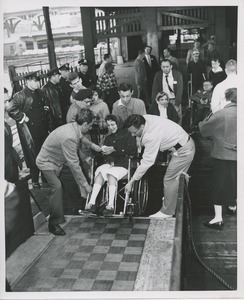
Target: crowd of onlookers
x: 63, y: 123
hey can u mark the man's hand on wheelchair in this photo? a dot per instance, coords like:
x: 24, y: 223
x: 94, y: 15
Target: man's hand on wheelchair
x: 87, y: 188
x: 128, y: 186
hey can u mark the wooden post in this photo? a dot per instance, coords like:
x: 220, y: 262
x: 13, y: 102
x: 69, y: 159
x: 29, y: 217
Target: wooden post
x: 50, y: 41
x: 16, y: 87
x: 87, y: 15
x: 150, y: 17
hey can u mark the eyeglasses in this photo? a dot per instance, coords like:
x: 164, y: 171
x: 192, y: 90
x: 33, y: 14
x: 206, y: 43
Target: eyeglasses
x: 134, y: 132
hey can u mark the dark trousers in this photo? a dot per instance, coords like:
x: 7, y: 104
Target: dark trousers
x: 55, y: 198
x: 72, y: 197
x: 34, y: 171
x: 110, y: 96
x: 143, y: 95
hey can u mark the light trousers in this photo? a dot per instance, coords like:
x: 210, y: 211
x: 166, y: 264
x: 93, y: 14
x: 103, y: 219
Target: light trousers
x: 180, y: 162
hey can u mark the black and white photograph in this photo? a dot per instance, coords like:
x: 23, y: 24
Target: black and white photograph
x: 122, y: 160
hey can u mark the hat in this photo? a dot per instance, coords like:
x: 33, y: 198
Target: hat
x: 64, y: 67
x: 108, y: 65
x: 32, y: 75
x: 53, y: 71
x: 83, y: 94
x: 83, y: 62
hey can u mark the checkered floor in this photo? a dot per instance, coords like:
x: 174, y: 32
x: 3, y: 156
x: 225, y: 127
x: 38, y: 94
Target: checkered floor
x: 95, y: 255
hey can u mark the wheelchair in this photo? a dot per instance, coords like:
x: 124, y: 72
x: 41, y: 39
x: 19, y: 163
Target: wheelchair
x: 126, y: 204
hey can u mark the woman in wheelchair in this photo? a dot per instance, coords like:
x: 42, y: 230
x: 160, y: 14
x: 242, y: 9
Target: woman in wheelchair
x: 118, y: 146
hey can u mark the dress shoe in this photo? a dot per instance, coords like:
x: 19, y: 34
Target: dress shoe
x: 90, y: 208
x: 56, y: 229
x: 160, y: 215
x: 108, y: 211
x: 216, y: 225
x: 231, y: 211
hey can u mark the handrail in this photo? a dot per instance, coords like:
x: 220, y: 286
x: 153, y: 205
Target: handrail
x: 175, y: 274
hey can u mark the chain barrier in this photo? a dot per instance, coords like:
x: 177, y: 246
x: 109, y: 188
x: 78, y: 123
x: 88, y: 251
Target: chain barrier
x: 191, y: 243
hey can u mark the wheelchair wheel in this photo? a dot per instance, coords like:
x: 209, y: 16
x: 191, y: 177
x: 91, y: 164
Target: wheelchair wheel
x: 140, y: 195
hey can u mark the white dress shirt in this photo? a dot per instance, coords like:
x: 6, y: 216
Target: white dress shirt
x: 218, y: 100
x: 162, y: 111
x: 171, y: 84
x: 159, y: 134
x: 148, y: 58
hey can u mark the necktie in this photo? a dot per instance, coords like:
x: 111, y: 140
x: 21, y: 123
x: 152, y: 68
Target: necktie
x: 170, y: 89
x: 149, y: 60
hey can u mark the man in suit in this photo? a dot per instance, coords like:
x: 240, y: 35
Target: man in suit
x: 29, y: 108
x: 171, y: 82
x: 151, y: 65
x: 61, y: 147
x: 141, y: 77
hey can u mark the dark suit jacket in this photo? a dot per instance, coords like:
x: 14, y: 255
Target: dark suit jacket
x: 150, y: 72
x: 178, y: 85
x: 171, y: 112
x: 154, y: 68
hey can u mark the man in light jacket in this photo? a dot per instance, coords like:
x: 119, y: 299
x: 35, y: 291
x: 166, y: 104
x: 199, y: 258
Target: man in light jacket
x: 61, y: 147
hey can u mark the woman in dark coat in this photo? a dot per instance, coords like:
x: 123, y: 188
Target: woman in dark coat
x: 162, y: 107
x: 117, y: 148
x: 222, y: 127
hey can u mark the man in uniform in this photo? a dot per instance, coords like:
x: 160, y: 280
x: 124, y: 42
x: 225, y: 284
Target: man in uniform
x: 30, y: 111
x: 66, y: 89
x: 83, y: 73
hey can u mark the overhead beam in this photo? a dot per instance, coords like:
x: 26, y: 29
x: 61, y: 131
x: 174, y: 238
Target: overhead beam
x: 184, y: 26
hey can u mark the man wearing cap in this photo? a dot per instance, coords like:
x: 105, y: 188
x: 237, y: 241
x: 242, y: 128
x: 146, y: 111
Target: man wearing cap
x: 218, y: 99
x: 169, y: 81
x: 196, y: 68
x: 107, y: 83
x: 29, y: 109
x: 84, y: 75
x: 61, y: 147
x: 82, y: 99
x: 66, y: 89
x: 53, y: 93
